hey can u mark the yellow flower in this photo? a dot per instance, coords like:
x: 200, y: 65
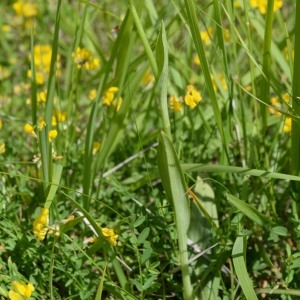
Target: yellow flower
x: 83, y: 58
x: 109, y: 98
x: 26, y: 9
x: 30, y: 130
x: 148, y: 78
x: 58, y: 117
x: 196, y: 60
x: 23, y: 289
x: 96, y: 146
x: 221, y: 79
x: 110, y: 235
x: 276, y: 105
x: 40, y: 224
x: 287, y: 127
x: 42, y: 61
x: 2, y: 148
x: 42, y: 96
x: 192, y: 96
x: 52, y: 134
x: 42, y: 124
x: 14, y: 295
x: 92, y: 94
x: 206, y: 36
x: 262, y: 5
x: 175, y: 104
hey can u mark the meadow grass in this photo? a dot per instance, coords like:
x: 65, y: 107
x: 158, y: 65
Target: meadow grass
x: 149, y: 149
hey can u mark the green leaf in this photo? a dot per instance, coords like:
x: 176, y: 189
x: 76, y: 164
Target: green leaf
x: 176, y: 192
x: 239, y: 262
x: 143, y: 235
x: 249, y: 211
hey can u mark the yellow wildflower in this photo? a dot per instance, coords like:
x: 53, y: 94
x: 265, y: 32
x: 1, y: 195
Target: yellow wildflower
x: 148, y: 78
x: 110, y: 235
x: 275, y: 106
x: 92, y: 94
x: 30, y: 130
x: 262, y: 5
x: 206, y: 35
x: 196, y: 60
x: 83, y: 58
x: 175, y: 104
x: 96, y: 146
x: 2, y: 148
x: 14, y: 295
x: 286, y: 97
x: 58, y: 117
x: 40, y: 224
x: 52, y: 134
x: 221, y: 79
x: 42, y: 61
x: 41, y: 97
x: 23, y: 289
x: 287, y: 127
x: 42, y: 124
x: 109, y: 98
x: 25, y: 9
x: 192, y: 96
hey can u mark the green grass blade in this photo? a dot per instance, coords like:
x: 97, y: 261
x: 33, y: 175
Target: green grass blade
x: 162, y: 63
x: 248, y: 210
x: 295, y: 163
x: 237, y: 170
x: 265, y: 92
x: 176, y: 192
x: 193, y: 24
x: 143, y: 37
x: 239, y: 262
x: 57, y: 171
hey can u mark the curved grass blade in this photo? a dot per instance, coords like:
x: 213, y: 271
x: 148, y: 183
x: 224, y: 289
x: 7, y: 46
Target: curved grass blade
x: 237, y: 170
x: 239, y: 262
x: 175, y: 188
x: 249, y: 211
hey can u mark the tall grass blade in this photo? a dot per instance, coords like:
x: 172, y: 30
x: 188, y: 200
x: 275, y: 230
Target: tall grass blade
x: 295, y: 155
x: 176, y: 192
x: 193, y: 24
x: 239, y: 262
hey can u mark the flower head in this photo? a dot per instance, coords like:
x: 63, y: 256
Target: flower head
x: 22, y: 289
x: 175, y: 104
x: 287, y: 127
x: 40, y: 224
x: 29, y: 129
x: 110, y: 236
x: 206, y: 35
x: 52, y: 134
x: 192, y: 96
x: 262, y: 5
x: 109, y: 98
x: 83, y: 58
x: 25, y: 9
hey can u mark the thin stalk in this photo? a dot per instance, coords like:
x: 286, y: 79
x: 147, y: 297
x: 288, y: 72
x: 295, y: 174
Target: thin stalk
x: 295, y: 154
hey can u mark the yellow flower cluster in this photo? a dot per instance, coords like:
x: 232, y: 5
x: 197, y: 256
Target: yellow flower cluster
x: 109, y: 98
x: 42, y: 61
x: 20, y: 289
x: 110, y: 235
x: 206, y: 35
x: 192, y: 96
x: 40, y: 224
x: 276, y: 105
x: 84, y: 58
x: 29, y: 129
x: 191, y: 99
x: 4, y: 73
x: 262, y: 5
x: 25, y: 9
